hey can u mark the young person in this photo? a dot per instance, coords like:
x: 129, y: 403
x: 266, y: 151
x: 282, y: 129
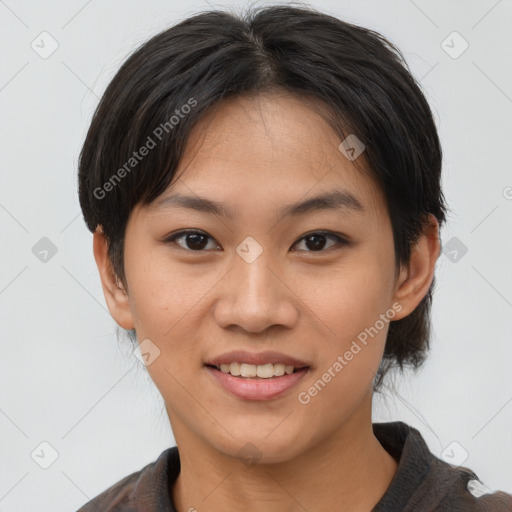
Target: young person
x: 264, y: 193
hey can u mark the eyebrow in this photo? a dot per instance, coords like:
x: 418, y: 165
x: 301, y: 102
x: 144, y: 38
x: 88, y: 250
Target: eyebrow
x: 332, y: 200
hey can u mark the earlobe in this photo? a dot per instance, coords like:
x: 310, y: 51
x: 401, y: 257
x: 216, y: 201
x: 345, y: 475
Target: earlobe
x: 116, y: 296
x: 414, y: 280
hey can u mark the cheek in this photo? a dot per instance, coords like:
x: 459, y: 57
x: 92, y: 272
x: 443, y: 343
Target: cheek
x: 165, y: 296
x: 348, y: 299
x: 354, y: 310
x: 167, y: 308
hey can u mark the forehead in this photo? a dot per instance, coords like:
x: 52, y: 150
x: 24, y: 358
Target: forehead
x: 269, y: 148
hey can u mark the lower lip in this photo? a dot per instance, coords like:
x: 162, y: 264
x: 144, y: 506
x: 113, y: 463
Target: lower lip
x: 257, y: 388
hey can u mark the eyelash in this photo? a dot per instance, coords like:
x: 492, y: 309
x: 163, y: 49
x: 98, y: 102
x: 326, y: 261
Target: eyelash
x: 172, y: 239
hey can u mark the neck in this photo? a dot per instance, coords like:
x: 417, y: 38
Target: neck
x: 350, y: 467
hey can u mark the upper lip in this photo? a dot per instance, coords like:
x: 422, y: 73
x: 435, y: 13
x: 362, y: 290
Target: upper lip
x: 260, y: 358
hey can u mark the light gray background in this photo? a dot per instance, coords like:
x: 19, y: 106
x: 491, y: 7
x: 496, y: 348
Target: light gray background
x: 64, y: 377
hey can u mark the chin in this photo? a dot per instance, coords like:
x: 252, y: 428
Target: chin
x: 256, y: 449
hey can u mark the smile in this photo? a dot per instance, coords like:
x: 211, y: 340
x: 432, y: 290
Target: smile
x: 248, y: 385
x: 263, y: 371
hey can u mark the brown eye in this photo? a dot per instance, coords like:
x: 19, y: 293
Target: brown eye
x: 197, y: 241
x: 316, y: 241
x: 190, y: 240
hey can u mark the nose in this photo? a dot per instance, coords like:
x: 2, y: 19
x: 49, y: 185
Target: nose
x: 255, y: 296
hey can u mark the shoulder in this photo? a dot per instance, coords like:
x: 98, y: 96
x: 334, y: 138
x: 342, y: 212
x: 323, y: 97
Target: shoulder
x: 146, y: 488
x: 424, y: 482
x: 459, y: 489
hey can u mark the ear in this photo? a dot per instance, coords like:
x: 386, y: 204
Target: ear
x: 415, y: 279
x: 115, y: 295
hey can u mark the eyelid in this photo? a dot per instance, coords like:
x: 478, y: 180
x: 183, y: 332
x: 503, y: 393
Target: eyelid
x: 191, y: 231
x: 341, y: 239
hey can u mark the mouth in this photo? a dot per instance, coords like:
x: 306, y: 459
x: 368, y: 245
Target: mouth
x: 249, y: 385
x: 260, y: 371
x: 256, y: 376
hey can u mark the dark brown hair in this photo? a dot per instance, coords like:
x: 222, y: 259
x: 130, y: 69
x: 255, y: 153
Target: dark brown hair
x: 163, y: 89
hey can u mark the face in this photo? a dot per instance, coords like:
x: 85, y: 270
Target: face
x: 313, y: 286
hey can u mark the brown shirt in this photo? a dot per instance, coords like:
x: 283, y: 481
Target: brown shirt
x: 422, y: 483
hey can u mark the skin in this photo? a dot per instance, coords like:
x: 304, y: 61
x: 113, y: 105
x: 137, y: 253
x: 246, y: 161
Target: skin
x: 256, y: 155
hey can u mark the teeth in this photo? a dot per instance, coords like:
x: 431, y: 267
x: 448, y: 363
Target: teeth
x: 263, y: 371
x: 279, y: 369
x: 248, y: 370
x: 234, y: 369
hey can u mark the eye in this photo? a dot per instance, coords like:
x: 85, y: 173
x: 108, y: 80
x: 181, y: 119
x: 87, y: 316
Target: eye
x: 317, y: 240
x: 190, y: 240
x: 197, y: 241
